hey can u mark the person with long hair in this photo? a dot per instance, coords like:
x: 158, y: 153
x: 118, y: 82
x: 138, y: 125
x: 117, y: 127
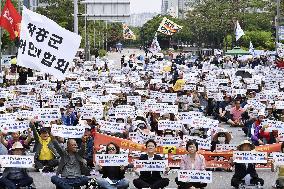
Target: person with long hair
x: 113, y: 173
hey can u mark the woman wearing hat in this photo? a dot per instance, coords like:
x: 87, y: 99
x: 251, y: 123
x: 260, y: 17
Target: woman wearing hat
x: 245, y: 172
x: 15, y: 177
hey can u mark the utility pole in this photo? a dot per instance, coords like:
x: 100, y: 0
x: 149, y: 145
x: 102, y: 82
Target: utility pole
x: 106, y: 37
x: 76, y: 16
x: 277, y: 23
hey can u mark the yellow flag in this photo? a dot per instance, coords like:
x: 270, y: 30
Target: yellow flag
x: 127, y: 33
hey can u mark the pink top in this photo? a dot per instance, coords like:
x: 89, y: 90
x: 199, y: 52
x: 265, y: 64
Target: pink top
x: 237, y: 114
x: 187, y: 164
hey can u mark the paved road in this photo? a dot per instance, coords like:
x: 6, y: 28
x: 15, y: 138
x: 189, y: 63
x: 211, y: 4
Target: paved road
x: 221, y: 180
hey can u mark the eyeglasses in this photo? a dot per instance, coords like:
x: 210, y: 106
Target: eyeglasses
x: 111, y: 149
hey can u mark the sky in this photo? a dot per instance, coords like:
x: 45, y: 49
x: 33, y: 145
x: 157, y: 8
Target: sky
x: 139, y: 6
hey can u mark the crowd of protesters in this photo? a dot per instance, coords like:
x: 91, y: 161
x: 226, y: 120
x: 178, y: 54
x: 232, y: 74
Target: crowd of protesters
x: 222, y: 91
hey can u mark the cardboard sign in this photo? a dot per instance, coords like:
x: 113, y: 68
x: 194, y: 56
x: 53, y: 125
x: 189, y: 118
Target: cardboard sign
x: 195, y: 176
x: 204, y: 144
x: 67, y: 131
x: 111, y: 159
x: 151, y: 165
x: 249, y: 157
x: 20, y: 161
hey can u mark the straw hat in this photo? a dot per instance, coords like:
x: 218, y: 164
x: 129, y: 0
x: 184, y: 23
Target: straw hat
x: 246, y: 142
x: 17, y: 145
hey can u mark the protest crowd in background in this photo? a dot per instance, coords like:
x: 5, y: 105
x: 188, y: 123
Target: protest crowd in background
x: 88, y: 123
x: 166, y: 104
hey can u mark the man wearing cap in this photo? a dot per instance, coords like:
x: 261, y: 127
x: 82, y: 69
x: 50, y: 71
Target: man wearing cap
x: 16, y: 177
x: 245, y: 172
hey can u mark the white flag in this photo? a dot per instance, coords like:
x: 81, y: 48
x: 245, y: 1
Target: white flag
x: 45, y: 46
x: 251, y: 49
x: 155, y: 46
x: 239, y: 31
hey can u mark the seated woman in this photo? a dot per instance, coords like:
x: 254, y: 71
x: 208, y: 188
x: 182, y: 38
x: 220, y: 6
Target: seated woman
x: 113, y: 173
x: 191, y: 161
x: 280, y: 171
x: 16, y: 177
x: 245, y: 171
x: 150, y: 179
x: 220, y: 138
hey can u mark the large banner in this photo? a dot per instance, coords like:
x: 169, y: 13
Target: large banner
x: 45, y: 46
x: 168, y: 27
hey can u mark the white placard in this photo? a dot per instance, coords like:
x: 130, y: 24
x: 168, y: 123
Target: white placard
x: 15, y: 126
x: 151, y: 165
x: 111, y: 159
x: 249, y: 157
x: 195, y: 176
x: 226, y: 147
x: 67, y: 131
x: 172, y: 125
x: 20, y: 161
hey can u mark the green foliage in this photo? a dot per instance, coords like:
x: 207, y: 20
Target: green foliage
x: 102, y: 53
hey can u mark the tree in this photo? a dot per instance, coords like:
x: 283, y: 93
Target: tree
x: 212, y: 20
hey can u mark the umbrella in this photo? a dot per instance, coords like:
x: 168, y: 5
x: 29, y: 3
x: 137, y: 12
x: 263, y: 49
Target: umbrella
x: 237, y: 51
x: 243, y: 74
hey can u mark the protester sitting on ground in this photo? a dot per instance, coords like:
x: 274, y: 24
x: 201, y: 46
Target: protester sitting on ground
x: 113, y: 173
x: 256, y: 129
x: 45, y: 153
x: 150, y: 179
x: 236, y: 115
x: 72, y: 166
x: 16, y: 138
x: 191, y: 161
x: 245, y: 172
x: 16, y: 177
x: 220, y: 138
x: 222, y: 113
x: 279, y: 184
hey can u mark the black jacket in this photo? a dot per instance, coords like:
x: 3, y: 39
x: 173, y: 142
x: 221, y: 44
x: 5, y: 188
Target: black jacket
x: 113, y: 173
x: 241, y: 171
x: 150, y: 175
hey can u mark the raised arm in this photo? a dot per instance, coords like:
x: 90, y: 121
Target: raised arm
x: 3, y: 141
x: 58, y: 148
x: 36, y: 135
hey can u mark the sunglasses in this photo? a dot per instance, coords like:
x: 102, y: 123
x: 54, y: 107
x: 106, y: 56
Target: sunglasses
x: 111, y: 149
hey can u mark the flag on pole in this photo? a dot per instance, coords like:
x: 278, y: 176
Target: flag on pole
x: 168, y: 27
x: 239, y: 31
x: 251, y: 49
x: 155, y: 46
x: 45, y: 46
x: 127, y: 33
x: 10, y: 20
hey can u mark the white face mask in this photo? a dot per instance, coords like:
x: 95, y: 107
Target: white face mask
x: 222, y: 140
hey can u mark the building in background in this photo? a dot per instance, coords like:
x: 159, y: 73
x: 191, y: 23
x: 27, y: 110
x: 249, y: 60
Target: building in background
x: 139, y: 19
x: 177, y: 8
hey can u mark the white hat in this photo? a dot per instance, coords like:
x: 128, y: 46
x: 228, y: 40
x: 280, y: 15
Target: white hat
x: 17, y: 145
